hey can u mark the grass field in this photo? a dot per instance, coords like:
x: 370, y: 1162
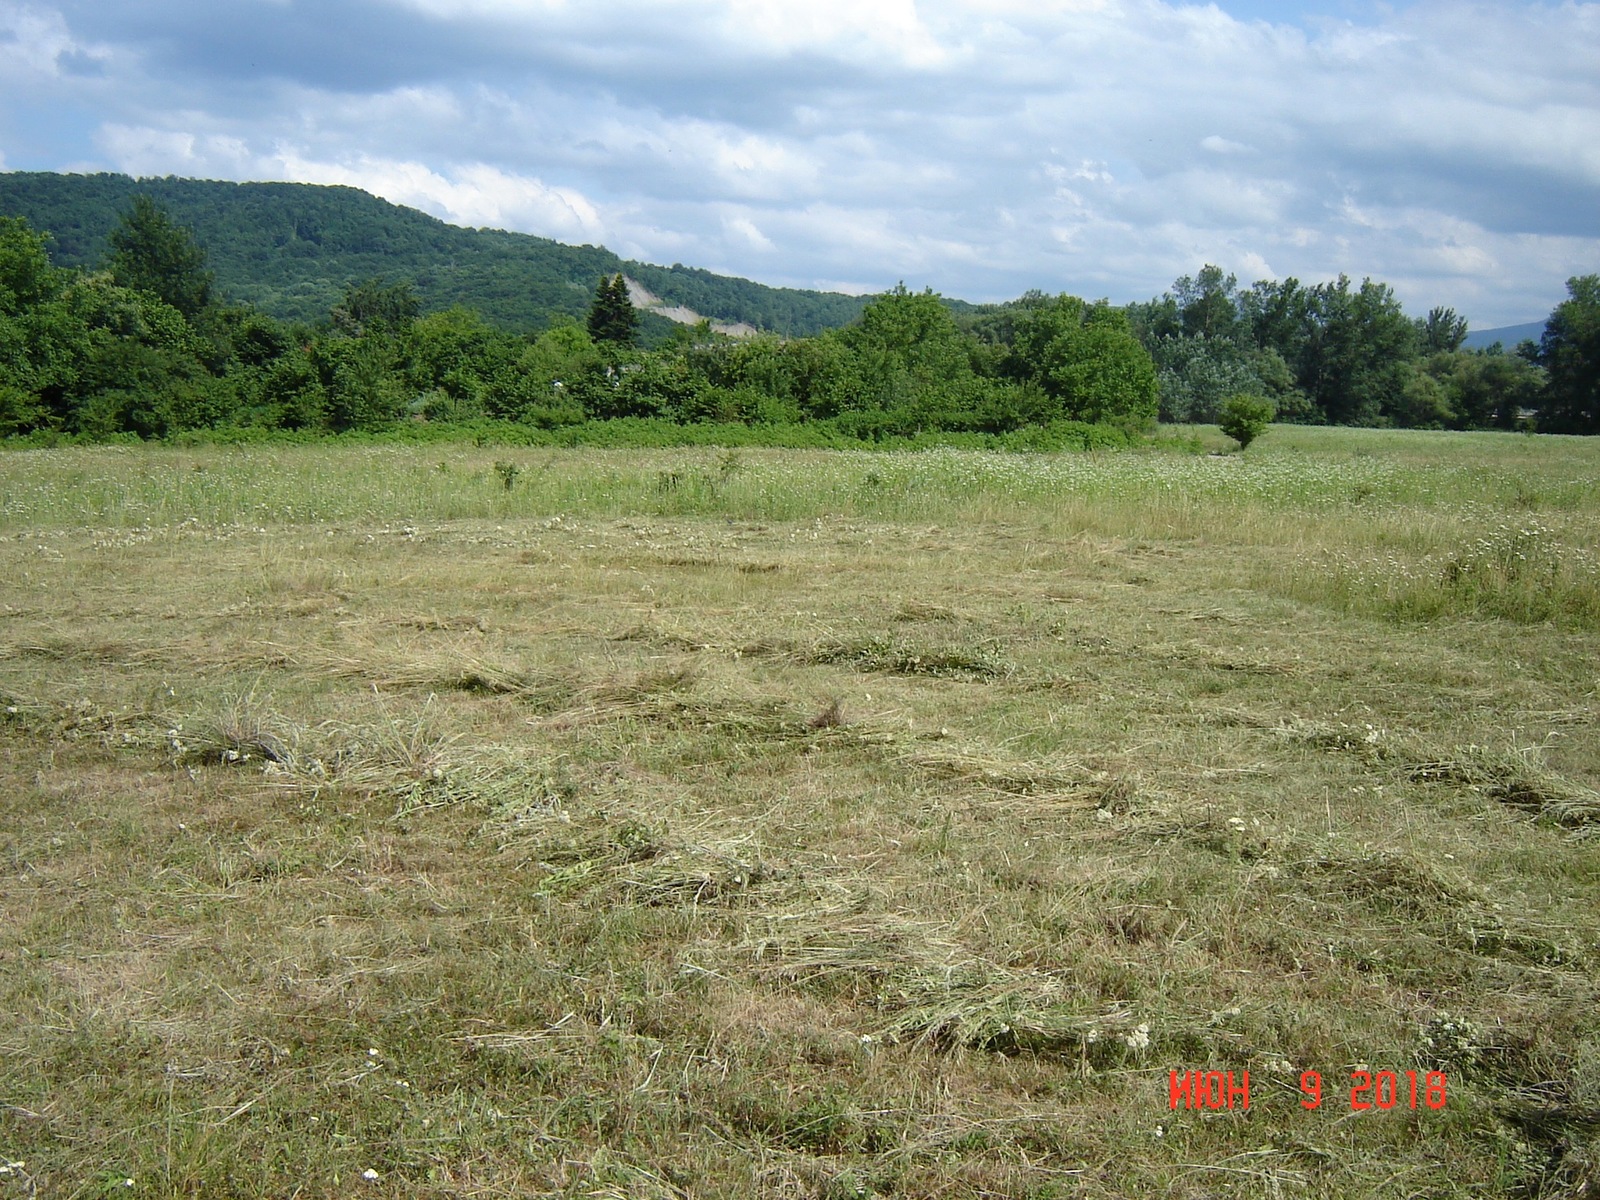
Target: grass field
x: 448, y: 821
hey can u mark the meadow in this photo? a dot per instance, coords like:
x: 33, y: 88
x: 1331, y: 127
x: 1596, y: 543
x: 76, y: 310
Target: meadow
x: 452, y: 821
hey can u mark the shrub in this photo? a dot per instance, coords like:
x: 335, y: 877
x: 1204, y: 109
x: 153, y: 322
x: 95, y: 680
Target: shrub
x: 1245, y: 418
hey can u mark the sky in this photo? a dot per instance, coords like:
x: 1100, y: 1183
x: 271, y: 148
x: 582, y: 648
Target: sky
x: 1449, y: 148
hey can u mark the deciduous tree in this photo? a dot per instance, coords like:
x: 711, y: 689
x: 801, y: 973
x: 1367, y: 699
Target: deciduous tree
x: 1208, y: 303
x: 1570, y: 355
x: 376, y: 306
x: 1085, y: 357
x: 41, y: 340
x: 152, y: 254
x: 1441, y: 330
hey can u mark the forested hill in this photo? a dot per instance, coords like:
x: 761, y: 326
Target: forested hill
x: 290, y: 249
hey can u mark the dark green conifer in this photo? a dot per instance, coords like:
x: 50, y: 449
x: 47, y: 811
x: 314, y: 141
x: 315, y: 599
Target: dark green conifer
x: 612, y: 317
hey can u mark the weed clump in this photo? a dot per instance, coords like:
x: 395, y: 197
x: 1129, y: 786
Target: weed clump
x: 896, y: 656
x: 242, y: 729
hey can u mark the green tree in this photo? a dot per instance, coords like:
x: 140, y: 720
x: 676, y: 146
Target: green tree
x: 1086, y: 359
x: 660, y: 386
x: 1356, y: 361
x: 911, y: 360
x: 141, y: 368
x: 374, y: 305
x: 1478, y: 389
x: 89, y: 355
x: 818, y: 375
x: 1425, y: 402
x: 452, y: 359
x: 1196, y: 374
x: 361, y: 382
x: 545, y: 383
x: 612, y: 317
x: 1441, y: 330
x: 909, y: 331
x: 1491, y: 389
x: 292, y: 394
x: 26, y: 277
x: 1208, y: 303
x: 42, y: 340
x: 152, y: 254
x: 1280, y: 316
x: 1570, y: 354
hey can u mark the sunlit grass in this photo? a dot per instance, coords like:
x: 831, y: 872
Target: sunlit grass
x: 1292, y: 468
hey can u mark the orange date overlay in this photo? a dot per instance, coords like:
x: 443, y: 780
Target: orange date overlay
x: 1379, y: 1091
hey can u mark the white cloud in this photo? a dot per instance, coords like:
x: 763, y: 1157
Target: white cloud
x: 981, y: 146
x: 475, y: 194
x: 472, y: 194
x: 1221, y: 145
x: 883, y: 30
x: 848, y: 29
x: 744, y: 229
x: 141, y: 150
x: 32, y: 42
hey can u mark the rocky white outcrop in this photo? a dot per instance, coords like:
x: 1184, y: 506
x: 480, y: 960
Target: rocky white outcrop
x: 647, y: 301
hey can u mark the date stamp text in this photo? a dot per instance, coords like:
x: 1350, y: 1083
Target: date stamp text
x: 1369, y: 1091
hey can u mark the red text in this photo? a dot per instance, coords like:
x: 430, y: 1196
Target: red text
x: 1208, y: 1089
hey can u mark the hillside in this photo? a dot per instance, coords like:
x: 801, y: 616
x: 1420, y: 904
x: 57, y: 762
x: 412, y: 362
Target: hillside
x: 290, y: 249
x: 1509, y: 336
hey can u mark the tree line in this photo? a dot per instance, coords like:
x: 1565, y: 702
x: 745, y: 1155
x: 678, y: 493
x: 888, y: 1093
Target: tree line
x: 1341, y: 354
x: 143, y: 345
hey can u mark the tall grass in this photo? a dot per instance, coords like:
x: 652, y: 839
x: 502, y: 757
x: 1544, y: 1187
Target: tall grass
x: 1417, y: 526
x: 1309, y: 471
x: 1523, y: 572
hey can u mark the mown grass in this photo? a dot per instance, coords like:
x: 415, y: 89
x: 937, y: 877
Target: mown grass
x: 707, y: 823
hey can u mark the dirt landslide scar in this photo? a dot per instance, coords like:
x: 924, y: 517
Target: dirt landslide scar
x: 1370, y: 1091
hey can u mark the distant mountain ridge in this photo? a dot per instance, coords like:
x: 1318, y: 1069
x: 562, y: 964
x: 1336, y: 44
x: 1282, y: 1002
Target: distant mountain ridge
x: 291, y: 248
x: 1509, y: 336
